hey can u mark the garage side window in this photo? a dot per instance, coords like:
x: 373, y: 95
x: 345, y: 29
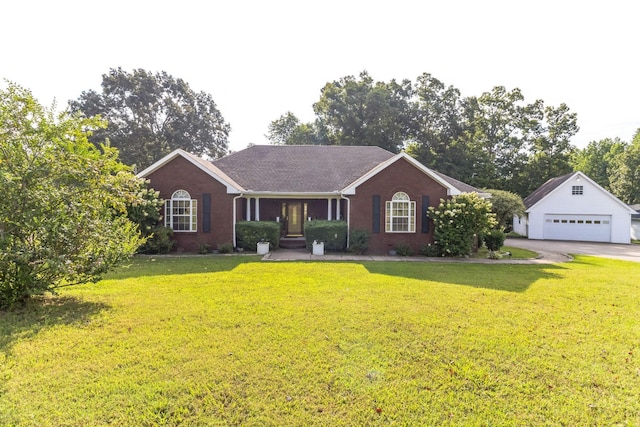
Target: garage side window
x: 577, y: 190
x: 400, y: 214
x: 181, y: 212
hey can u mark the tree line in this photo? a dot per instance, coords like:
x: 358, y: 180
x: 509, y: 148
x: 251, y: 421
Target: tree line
x: 494, y: 140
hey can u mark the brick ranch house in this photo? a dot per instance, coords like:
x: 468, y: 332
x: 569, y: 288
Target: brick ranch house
x: 368, y: 187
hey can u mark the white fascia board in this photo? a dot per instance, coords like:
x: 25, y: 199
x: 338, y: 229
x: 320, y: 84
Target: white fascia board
x: 289, y: 195
x: 351, y: 188
x: 232, y: 187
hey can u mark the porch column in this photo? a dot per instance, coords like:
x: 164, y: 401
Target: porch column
x: 337, y: 209
x: 329, y: 209
x: 248, y: 218
x: 257, y: 215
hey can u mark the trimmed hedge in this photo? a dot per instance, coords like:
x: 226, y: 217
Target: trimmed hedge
x: 332, y: 233
x: 249, y: 233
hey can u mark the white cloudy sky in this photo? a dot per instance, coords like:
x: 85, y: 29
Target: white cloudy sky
x: 260, y: 59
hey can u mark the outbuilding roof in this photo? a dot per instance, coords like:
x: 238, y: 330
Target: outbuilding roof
x: 546, y: 188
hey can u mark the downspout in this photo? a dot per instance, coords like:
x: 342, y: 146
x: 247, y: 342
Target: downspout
x: 348, y: 216
x: 235, y: 203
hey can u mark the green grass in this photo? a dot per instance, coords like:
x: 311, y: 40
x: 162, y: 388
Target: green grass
x: 233, y: 341
x: 516, y: 253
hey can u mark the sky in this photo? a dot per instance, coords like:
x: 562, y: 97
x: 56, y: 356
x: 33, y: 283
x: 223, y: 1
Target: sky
x: 261, y: 59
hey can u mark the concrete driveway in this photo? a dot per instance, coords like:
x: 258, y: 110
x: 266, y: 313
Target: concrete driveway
x: 607, y: 250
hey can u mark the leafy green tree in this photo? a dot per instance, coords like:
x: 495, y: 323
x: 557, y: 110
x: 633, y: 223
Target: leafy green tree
x: 288, y: 130
x: 598, y: 159
x: 458, y: 221
x: 363, y: 112
x: 437, y: 124
x: 551, y: 149
x: 150, y: 115
x: 504, y: 205
x: 63, y: 210
x: 496, y: 137
x: 625, y: 177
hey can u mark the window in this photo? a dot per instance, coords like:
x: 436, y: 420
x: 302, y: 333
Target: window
x: 401, y: 214
x: 577, y: 190
x: 181, y: 212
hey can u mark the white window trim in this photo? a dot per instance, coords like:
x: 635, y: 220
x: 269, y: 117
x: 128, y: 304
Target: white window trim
x: 181, y: 199
x: 398, y: 199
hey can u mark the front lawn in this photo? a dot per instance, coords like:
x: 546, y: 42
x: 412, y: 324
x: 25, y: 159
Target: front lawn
x: 235, y: 341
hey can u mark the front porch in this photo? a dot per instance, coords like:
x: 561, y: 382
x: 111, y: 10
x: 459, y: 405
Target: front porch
x: 291, y: 213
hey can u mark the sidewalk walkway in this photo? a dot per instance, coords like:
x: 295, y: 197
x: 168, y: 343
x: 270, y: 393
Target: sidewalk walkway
x: 304, y: 255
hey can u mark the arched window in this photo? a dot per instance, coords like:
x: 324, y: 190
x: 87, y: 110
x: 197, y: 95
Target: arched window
x: 401, y: 214
x: 181, y: 212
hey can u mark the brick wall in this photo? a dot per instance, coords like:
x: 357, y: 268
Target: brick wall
x: 400, y: 176
x: 180, y: 174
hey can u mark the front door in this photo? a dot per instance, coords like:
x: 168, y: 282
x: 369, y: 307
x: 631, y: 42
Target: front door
x: 294, y: 219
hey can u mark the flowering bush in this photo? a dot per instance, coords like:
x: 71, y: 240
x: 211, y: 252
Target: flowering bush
x: 456, y: 222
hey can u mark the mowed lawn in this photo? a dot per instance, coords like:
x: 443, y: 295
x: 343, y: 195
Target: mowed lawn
x: 231, y: 340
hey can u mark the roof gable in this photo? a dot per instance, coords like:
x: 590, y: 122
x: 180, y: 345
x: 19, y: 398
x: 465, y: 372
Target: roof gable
x: 304, y: 169
x: 555, y: 184
x: 453, y: 186
x: 546, y: 188
x: 205, y: 166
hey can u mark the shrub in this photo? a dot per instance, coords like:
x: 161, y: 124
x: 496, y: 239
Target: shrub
x: 225, y: 248
x: 249, y: 233
x: 403, y: 249
x: 359, y: 241
x: 494, y: 239
x: 332, y: 233
x: 458, y: 220
x: 430, y: 250
x: 160, y: 241
x: 204, y: 248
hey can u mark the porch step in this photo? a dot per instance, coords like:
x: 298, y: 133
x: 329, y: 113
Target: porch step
x: 292, y: 243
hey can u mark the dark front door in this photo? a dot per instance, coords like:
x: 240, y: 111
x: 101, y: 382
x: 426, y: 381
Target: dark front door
x: 294, y: 219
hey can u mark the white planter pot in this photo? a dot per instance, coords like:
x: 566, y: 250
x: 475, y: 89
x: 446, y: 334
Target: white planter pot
x: 263, y: 248
x: 318, y: 248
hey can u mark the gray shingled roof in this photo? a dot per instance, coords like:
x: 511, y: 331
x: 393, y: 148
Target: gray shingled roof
x: 300, y: 168
x: 545, y: 189
x: 463, y: 187
x: 637, y: 209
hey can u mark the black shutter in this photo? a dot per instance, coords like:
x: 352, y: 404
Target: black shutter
x: 376, y: 214
x: 424, y: 212
x: 206, y: 213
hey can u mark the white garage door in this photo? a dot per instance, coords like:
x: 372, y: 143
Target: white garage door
x: 591, y: 228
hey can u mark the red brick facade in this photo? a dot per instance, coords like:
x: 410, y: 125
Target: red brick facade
x: 401, y: 176
x: 180, y: 174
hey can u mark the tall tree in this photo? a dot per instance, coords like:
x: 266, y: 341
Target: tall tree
x: 437, y: 125
x: 550, y: 149
x: 288, y: 130
x: 625, y: 177
x: 363, y: 112
x: 496, y: 137
x: 598, y: 159
x: 63, y: 210
x: 150, y: 115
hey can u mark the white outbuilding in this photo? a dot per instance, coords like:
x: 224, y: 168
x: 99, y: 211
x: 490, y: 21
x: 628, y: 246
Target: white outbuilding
x: 574, y: 207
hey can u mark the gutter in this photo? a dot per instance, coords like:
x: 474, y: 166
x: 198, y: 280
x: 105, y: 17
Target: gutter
x: 348, y: 216
x: 233, y: 239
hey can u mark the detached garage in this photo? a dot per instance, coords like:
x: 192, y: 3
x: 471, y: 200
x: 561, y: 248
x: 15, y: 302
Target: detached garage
x: 573, y: 207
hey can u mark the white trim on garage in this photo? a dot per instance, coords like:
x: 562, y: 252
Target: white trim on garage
x: 591, y: 228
